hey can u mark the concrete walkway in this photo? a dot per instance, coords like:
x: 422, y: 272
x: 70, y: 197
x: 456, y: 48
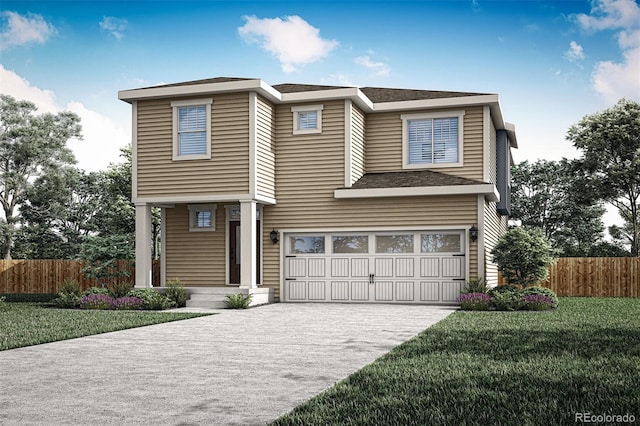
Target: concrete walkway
x: 238, y: 367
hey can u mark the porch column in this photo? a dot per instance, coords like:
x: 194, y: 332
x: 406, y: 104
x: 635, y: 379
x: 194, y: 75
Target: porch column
x: 248, y: 249
x: 143, y: 246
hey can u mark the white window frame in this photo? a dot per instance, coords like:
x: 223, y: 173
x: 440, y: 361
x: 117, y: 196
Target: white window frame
x: 430, y: 116
x: 176, y: 105
x: 193, y: 208
x: 307, y: 108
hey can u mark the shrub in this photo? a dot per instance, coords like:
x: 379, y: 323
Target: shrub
x: 95, y: 290
x: 506, y: 288
x: 523, y: 256
x: 120, y: 289
x: 538, y: 302
x: 507, y: 301
x: 96, y: 301
x: 477, y: 285
x: 69, y: 295
x: 541, y: 291
x: 2, y: 302
x: 152, y: 299
x: 238, y: 301
x: 127, y: 303
x: 177, y: 293
x: 474, y: 301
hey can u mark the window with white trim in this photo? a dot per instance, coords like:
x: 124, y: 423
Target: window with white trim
x: 202, y: 217
x: 192, y: 129
x: 307, y: 119
x: 432, y: 139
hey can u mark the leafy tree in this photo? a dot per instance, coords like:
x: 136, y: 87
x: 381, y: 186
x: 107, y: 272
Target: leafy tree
x: 102, y: 253
x: 523, y: 256
x: 30, y: 146
x: 548, y: 195
x: 610, y: 143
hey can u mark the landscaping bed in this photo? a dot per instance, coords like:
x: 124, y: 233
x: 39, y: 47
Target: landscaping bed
x: 496, y: 367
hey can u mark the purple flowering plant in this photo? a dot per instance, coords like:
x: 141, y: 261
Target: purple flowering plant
x: 96, y: 301
x: 127, y: 303
x: 538, y: 302
x: 474, y: 301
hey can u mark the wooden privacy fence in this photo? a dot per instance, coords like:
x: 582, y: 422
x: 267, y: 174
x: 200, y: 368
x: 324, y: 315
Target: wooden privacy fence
x: 45, y: 276
x: 594, y: 276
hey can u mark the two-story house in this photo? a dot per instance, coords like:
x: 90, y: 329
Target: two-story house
x: 320, y: 193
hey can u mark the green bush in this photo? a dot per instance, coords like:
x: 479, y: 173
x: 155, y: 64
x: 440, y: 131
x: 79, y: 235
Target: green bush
x: 96, y: 290
x: 477, y: 285
x: 153, y: 300
x: 238, y: 301
x: 523, y: 256
x: 2, y: 303
x: 69, y: 295
x: 507, y: 301
x: 506, y: 288
x: 70, y: 287
x: 176, y: 292
x: 120, y: 289
x: 541, y: 291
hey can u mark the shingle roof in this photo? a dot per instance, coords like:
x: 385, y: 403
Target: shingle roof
x: 375, y: 94
x: 203, y: 81
x: 381, y: 94
x: 409, y: 179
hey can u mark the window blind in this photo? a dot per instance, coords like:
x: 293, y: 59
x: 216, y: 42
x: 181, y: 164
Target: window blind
x: 192, y: 130
x: 433, y: 141
x: 307, y: 120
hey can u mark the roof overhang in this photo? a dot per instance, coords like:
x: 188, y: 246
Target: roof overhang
x: 489, y: 190
x: 256, y: 85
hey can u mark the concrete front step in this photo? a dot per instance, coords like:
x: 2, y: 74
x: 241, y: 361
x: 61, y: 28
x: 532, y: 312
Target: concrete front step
x: 214, y: 297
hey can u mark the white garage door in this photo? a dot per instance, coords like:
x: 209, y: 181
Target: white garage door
x: 385, y: 267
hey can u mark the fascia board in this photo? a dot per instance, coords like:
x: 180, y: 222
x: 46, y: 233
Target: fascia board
x: 487, y: 189
x: 352, y: 93
x: 436, y: 103
x: 511, y: 132
x: 199, y: 89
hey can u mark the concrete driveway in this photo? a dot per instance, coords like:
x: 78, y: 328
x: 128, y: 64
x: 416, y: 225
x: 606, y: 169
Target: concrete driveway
x: 238, y: 367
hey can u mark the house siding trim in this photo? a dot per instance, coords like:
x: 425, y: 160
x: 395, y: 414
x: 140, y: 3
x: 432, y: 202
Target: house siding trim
x: 488, y: 190
x: 187, y: 199
x: 348, y: 152
x: 134, y: 151
x: 480, y: 242
x: 486, y: 144
x: 253, y: 144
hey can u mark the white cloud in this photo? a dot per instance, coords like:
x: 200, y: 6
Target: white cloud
x: 337, y: 79
x: 379, y: 68
x: 21, y: 30
x: 575, y: 52
x: 616, y: 80
x: 102, y: 139
x: 610, y: 14
x: 293, y: 41
x: 114, y: 26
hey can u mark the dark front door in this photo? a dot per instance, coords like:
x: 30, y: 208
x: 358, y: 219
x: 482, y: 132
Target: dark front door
x: 234, y: 251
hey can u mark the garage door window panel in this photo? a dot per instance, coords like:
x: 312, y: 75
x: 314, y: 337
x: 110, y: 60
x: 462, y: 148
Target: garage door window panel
x: 306, y: 244
x: 440, y: 243
x: 394, y: 243
x: 344, y: 244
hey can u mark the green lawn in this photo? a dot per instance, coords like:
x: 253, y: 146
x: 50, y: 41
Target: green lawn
x: 485, y: 368
x: 26, y: 324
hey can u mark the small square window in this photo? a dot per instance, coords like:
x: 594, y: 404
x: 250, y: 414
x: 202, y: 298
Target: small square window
x: 307, y: 119
x: 202, y: 217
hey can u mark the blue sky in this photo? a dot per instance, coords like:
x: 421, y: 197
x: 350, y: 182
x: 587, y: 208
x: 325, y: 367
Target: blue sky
x: 551, y: 62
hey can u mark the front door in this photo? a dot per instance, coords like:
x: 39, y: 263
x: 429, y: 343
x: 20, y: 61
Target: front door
x: 234, y: 251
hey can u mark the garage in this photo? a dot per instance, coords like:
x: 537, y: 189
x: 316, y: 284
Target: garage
x: 375, y: 267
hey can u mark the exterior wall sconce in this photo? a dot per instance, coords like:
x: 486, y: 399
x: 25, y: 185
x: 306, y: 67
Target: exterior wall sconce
x: 274, y: 236
x: 473, y: 233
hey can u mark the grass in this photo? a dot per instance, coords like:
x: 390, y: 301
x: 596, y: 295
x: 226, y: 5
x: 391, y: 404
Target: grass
x: 26, y: 324
x: 525, y: 368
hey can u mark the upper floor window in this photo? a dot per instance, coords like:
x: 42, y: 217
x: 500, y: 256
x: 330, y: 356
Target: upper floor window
x: 432, y: 140
x: 192, y: 129
x: 307, y: 119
